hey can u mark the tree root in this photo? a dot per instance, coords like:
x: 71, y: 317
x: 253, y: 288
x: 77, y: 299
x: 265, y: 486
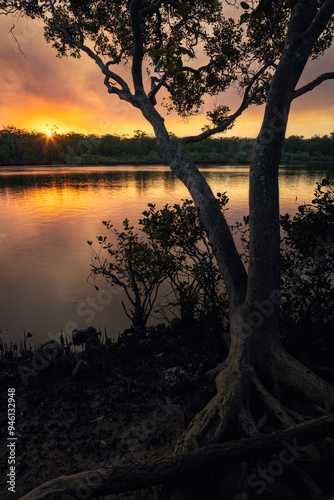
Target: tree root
x: 247, y: 402
x: 231, y: 407
x: 295, y: 375
x: 133, y: 476
x: 246, y: 423
x: 308, y: 484
x: 210, y: 424
x: 275, y: 408
x: 232, y: 410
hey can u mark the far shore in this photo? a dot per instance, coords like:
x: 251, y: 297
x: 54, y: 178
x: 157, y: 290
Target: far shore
x: 134, y: 163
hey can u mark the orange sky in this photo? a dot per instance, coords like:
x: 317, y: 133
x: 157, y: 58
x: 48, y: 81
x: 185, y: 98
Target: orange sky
x: 41, y: 89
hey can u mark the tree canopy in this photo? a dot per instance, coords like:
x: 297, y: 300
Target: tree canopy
x: 184, y: 51
x: 20, y: 147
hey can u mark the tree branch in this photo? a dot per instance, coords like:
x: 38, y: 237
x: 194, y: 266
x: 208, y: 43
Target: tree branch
x: 247, y: 99
x: 124, y: 93
x: 15, y: 7
x: 120, y: 478
x: 310, y: 86
x: 11, y: 31
x: 152, y: 9
x: 138, y: 51
x: 319, y: 23
x: 156, y: 88
x: 157, y: 31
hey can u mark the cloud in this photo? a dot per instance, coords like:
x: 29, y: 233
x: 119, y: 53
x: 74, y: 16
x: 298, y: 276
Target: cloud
x: 41, y: 88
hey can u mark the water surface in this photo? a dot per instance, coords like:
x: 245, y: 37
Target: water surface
x: 49, y: 213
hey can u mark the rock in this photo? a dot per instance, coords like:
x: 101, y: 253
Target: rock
x: 175, y: 379
x: 93, y: 339
x: 51, y: 350
x: 88, y: 336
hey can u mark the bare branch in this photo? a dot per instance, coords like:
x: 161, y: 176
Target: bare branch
x: 11, y: 31
x: 312, y: 85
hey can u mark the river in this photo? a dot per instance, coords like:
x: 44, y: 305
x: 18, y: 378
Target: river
x: 49, y: 213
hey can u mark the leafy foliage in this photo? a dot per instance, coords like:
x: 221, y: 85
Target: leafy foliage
x: 20, y: 147
x: 308, y: 267
x: 174, y: 250
x: 195, y: 280
x: 188, y: 48
x: 135, y: 266
x: 169, y: 32
x: 267, y: 22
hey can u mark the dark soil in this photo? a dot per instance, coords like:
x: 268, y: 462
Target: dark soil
x: 123, y: 403
x: 128, y: 401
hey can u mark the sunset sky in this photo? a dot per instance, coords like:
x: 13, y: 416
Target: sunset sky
x: 41, y: 89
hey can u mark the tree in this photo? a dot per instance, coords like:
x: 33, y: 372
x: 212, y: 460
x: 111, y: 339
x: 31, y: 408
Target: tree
x: 172, y: 250
x: 193, y: 277
x: 307, y: 269
x: 265, y: 54
x: 135, y: 267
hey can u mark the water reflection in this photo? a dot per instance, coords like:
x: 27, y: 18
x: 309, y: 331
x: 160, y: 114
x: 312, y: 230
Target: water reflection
x: 48, y: 214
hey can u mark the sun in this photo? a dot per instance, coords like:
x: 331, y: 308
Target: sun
x: 49, y: 133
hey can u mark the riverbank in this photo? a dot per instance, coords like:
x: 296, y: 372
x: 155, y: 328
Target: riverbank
x: 135, y: 162
x: 18, y: 147
x: 130, y: 399
x: 127, y: 400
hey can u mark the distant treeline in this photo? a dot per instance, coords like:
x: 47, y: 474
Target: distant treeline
x: 20, y: 147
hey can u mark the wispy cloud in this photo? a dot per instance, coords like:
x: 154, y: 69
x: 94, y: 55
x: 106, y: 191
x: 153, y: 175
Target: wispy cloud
x: 39, y: 88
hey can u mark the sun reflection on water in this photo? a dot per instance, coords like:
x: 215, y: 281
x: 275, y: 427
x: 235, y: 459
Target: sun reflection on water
x: 48, y: 214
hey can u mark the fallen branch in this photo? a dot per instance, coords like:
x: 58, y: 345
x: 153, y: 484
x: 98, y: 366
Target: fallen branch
x: 120, y: 478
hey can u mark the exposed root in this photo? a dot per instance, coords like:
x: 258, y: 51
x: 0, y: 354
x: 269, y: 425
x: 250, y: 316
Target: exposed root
x: 210, y: 424
x: 301, y: 379
x: 273, y: 405
x: 246, y: 424
x: 262, y: 421
x: 212, y: 374
x: 297, y: 416
x: 231, y: 409
x: 230, y: 405
x: 179, y: 469
x: 310, y: 487
x: 319, y: 410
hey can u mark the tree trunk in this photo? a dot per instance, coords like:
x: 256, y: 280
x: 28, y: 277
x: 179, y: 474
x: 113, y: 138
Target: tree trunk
x: 250, y: 381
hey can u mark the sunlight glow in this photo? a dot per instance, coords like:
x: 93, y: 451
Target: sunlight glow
x: 49, y: 133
